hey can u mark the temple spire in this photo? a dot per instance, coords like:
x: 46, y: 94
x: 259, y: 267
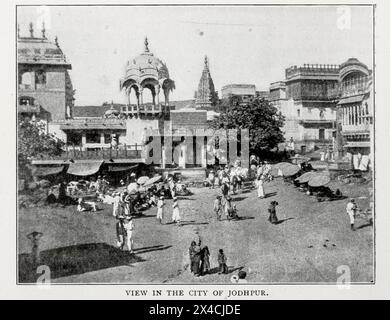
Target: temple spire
x: 146, y: 44
x: 206, y: 62
x: 206, y: 97
x: 31, y: 30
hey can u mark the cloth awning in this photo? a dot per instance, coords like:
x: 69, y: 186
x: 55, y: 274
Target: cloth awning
x: 84, y: 168
x: 113, y: 168
x: 353, y: 99
x: 43, y: 171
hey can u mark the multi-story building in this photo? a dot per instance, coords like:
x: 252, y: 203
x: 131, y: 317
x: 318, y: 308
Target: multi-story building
x: 305, y: 99
x: 45, y: 89
x: 355, y: 113
x: 327, y: 106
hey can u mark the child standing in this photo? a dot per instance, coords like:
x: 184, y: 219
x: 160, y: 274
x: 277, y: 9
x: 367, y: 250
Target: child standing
x: 218, y: 207
x: 175, y: 212
x: 160, y: 209
x: 222, y: 262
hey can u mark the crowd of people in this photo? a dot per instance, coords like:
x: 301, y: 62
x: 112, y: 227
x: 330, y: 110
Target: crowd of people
x: 128, y: 200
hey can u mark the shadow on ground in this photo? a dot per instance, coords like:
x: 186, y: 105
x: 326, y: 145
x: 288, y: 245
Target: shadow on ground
x: 270, y: 194
x: 231, y: 269
x: 283, y: 220
x: 364, y: 225
x: 238, y: 199
x: 79, y: 259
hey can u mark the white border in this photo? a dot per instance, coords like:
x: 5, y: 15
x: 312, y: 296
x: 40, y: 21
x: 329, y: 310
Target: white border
x: 8, y: 287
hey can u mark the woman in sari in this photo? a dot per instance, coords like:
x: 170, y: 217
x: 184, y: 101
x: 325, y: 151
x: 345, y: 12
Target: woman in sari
x: 195, y: 255
x: 272, y: 212
x: 205, y: 260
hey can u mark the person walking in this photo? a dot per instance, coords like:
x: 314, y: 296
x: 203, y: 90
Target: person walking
x: 211, y: 179
x: 260, y: 188
x: 272, y: 212
x: 99, y: 184
x: 35, y: 254
x: 160, y: 209
x: 172, y: 186
x: 129, y: 228
x: 104, y: 185
x: 227, y: 206
x: 205, y: 261
x: 351, y: 211
x: 225, y: 186
x: 195, y: 254
x: 222, y: 260
x: 120, y: 232
x: 218, y: 207
x: 126, y: 202
x: 116, y: 205
x: 175, y: 212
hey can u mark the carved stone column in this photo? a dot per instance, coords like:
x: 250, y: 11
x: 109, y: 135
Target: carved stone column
x: 157, y: 92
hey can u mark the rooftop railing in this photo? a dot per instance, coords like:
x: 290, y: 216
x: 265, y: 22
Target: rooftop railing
x: 313, y: 69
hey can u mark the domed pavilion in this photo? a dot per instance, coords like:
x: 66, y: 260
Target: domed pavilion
x: 146, y: 71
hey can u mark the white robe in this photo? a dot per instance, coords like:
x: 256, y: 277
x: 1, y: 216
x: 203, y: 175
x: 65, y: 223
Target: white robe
x: 260, y: 189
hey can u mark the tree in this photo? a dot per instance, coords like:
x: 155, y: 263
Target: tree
x: 34, y: 142
x: 263, y: 121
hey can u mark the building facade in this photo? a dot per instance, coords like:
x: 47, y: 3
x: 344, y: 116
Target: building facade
x: 327, y: 106
x: 306, y: 99
x: 246, y: 92
x: 45, y: 89
x: 355, y: 113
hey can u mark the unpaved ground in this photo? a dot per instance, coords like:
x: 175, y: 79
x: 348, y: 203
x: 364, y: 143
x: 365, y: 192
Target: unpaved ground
x: 308, y: 246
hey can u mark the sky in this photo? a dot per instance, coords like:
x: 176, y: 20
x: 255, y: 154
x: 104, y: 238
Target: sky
x: 252, y: 45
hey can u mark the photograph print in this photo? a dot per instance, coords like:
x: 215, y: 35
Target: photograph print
x: 195, y: 144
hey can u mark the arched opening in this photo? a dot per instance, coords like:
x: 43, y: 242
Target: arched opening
x: 353, y: 75
x: 149, y: 93
x: 132, y: 95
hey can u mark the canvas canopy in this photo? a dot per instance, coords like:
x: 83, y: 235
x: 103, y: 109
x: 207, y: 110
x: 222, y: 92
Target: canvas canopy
x: 319, y: 180
x: 305, y: 177
x: 291, y: 170
x: 112, y: 168
x: 43, y: 171
x: 84, y: 168
x: 153, y: 180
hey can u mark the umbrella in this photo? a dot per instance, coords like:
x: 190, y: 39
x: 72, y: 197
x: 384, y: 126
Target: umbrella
x: 304, y: 178
x: 291, y: 170
x: 279, y: 166
x: 142, y: 180
x: 319, y: 180
x: 152, y: 180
